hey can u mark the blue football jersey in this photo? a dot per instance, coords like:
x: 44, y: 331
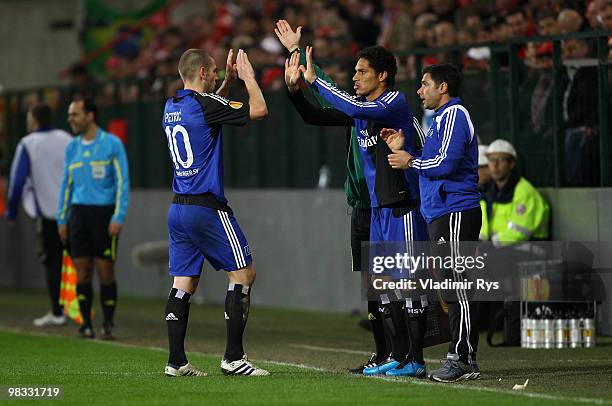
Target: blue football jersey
x: 192, y: 123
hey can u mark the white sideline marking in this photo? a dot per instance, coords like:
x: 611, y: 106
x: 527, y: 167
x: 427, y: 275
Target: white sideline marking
x: 329, y: 349
x: 322, y: 370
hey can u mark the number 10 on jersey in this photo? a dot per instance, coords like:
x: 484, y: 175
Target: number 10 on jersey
x: 171, y: 134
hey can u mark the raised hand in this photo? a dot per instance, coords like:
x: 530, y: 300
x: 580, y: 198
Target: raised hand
x: 286, y: 36
x: 309, y: 72
x: 230, y: 67
x: 292, y: 72
x: 244, y: 67
x: 394, y: 139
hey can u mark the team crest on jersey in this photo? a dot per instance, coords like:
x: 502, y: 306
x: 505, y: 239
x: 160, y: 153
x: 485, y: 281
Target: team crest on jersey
x: 235, y: 105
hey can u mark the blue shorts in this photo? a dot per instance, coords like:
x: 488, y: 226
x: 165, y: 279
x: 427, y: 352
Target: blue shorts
x: 197, y: 233
x: 396, y: 231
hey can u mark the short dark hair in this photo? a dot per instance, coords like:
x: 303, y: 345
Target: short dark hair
x: 191, y: 61
x: 42, y: 114
x: 89, y: 105
x: 445, y: 73
x: 381, y: 60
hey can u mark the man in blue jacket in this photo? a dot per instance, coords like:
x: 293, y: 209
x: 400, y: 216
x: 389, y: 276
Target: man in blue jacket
x: 450, y: 201
x: 93, y: 201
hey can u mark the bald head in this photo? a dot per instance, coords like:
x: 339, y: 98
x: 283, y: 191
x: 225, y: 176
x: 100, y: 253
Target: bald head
x: 190, y: 63
x: 569, y: 21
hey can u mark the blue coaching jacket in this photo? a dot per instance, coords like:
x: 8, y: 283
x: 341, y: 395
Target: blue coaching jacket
x: 448, y: 165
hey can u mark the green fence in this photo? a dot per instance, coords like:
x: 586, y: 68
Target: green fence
x: 508, y: 100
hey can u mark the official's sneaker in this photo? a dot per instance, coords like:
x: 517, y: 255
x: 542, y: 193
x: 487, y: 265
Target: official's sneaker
x: 475, y: 371
x: 408, y: 368
x: 49, y: 320
x: 86, y: 332
x: 107, y: 331
x: 453, y: 370
x: 373, y: 361
x: 185, y: 370
x: 241, y: 367
x: 381, y: 368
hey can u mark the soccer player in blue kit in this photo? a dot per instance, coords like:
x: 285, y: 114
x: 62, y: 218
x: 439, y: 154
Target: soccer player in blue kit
x: 394, y: 194
x: 200, y: 223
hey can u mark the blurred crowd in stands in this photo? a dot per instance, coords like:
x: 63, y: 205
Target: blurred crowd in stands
x: 143, y: 62
x: 337, y: 29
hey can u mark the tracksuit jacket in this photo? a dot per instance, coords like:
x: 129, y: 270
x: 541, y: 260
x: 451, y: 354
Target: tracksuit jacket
x: 448, y: 164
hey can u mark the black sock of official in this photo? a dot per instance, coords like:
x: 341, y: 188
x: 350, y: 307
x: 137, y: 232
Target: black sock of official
x: 177, y: 316
x: 378, y: 330
x: 416, y: 331
x: 237, y: 303
x: 108, y: 297
x: 85, y: 297
x: 395, y: 326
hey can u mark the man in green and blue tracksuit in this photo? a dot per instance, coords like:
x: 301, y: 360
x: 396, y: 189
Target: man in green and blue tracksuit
x: 93, y: 202
x: 394, y: 194
x: 355, y: 187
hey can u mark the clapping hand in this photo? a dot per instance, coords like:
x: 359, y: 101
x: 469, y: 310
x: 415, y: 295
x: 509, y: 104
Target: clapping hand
x: 394, y: 139
x: 243, y: 66
x: 289, y: 39
x: 309, y: 72
x: 230, y: 68
x: 399, y: 159
x: 292, y: 72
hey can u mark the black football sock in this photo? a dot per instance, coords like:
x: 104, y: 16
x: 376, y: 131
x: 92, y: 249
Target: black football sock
x: 237, y: 303
x: 177, y: 316
x: 378, y: 330
x: 416, y: 320
x: 85, y: 296
x: 393, y: 317
x: 108, y: 297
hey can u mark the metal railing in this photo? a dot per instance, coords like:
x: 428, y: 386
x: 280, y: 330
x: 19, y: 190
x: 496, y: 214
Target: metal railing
x: 506, y: 100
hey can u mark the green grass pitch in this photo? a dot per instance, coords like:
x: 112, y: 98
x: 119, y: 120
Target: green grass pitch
x: 306, y: 352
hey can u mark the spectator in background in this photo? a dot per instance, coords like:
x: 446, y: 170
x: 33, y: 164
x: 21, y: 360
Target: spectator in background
x: 569, y: 21
x: 539, y: 55
x: 593, y: 14
x: 444, y: 9
x: 397, y: 31
x: 423, y: 27
x: 512, y: 209
x: 581, y: 117
x: 362, y: 18
x: 39, y: 162
x: 519, y: 27
x: 606, y: 16
x: 419, y: 7
x: 537, y: 7
x: 446, y: 36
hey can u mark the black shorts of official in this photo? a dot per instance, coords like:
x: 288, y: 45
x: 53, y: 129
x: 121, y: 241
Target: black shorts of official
x: 360, y: 233
x: 88, y: 232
